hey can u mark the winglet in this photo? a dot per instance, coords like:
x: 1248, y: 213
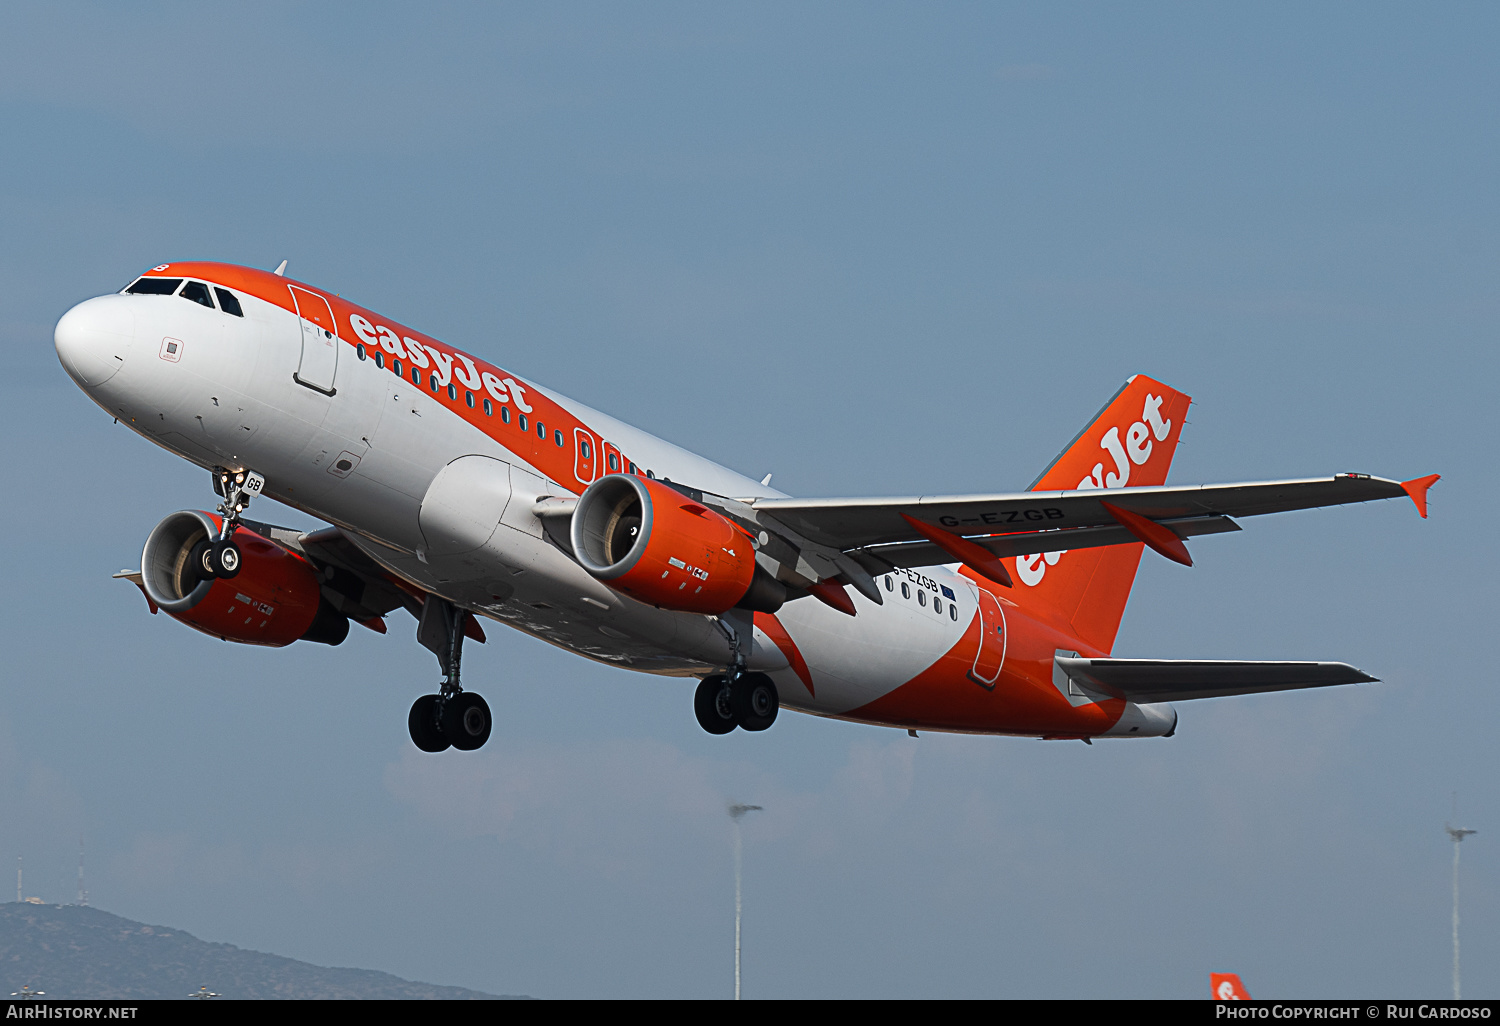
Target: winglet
x: 1417, y: 489
x: 976, y: 557
x: 1161, y: 538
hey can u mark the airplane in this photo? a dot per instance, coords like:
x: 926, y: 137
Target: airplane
x: 1227, y: 987
x: 464, y: 493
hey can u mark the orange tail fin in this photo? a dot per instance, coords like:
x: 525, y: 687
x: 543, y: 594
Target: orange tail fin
x: 1128, y: 443
x: 1227, y: 987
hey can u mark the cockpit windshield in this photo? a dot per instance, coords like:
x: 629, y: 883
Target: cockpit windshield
x: 154, y: 286
x: 228, y: 302
x: 198, y: 293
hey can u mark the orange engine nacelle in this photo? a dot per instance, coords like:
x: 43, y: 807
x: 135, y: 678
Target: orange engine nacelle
x: 274, y: 600
x: 660, y: 547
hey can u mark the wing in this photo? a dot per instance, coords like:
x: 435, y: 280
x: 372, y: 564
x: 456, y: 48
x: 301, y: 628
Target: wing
x: 353, y: 583
x: 1175, y: 680
x: 882, y: 529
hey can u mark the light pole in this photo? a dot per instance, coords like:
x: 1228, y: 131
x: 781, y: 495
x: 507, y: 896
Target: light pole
x: 1458, y: 834
x: 736, y: 813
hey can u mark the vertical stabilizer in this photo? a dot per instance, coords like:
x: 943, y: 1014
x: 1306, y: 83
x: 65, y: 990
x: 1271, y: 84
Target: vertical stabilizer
x: 1129, y: 443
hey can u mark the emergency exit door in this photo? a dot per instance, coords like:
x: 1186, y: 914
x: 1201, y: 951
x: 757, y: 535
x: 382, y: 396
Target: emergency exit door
x: 991, y: 654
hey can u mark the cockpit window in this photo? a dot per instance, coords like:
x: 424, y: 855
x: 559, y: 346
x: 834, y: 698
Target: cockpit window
x: 154, y: 286
x: 228, y: 302
x: 198, y: 293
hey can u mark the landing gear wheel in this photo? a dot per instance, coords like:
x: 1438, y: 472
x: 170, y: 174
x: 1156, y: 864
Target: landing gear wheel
x: 422, y: 721
x: 198, y: 561
x: 466, y: 721
x: 713, y: 705
x: 224, y: 559
x: 756, y: 701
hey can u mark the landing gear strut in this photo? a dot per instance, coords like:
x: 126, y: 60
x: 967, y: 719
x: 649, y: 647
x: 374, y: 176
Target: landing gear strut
x: 453, y: 717
x: 220, y: 557
x: 738, y: 698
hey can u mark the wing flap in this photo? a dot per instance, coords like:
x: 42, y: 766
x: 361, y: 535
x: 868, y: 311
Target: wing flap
x: 925, y: 553
x: 1177, y: 680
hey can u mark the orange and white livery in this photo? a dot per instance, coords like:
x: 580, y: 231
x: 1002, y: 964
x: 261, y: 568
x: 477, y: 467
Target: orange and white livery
x: 1227, y: 987
x: 464, y: 493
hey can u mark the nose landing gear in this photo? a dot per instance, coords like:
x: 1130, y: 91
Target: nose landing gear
x: 454, y: 717
x: 220, y: 557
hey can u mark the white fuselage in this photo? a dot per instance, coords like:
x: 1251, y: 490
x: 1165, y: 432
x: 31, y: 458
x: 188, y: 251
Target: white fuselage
x: 368, y: 456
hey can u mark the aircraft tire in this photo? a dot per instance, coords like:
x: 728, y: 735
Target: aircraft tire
x: 225, y: 559
x: 756, y: 701
x: 466, y: 721
x: 198, y: 561
x: 423, y: 723
x: 714, y: 715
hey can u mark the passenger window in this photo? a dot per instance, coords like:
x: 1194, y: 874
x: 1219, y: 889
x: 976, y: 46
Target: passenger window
x: 489, y: 409
x: 937, y: 605
x: 889, y: 586
x: 557, y: 436
x: 198, y: 293
x: 952, y: 611
x: 396, y: 365
x: 469, y: 400
x: 361, y: 351
x: 505, y: 414
x: 614, y: 463
x: 416, y: 377
x: 521, y: 421
x: 230, y: 303
x: 587, y: 449
x: 154, y: 287
x: 432, y: 382
x: 541, y: 430
x: 453, y: 391
x: 905, y: 590
x: 632, y: 469
x: 380, y: 360
x: 921, y: 597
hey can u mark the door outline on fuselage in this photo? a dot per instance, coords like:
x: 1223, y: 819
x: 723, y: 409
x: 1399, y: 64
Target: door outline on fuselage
x: 320, y: 341
x: 608, y: 452
x: 584, y: 466
x: 991, y: 617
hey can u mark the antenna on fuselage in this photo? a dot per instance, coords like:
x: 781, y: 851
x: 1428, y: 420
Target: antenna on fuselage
x: 280, y: 267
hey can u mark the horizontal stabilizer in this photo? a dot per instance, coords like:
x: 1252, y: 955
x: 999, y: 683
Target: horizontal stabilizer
x: 1177, y: 680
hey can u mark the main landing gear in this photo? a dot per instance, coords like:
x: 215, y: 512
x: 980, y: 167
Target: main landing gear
x: 454, y: 717
x: 738, y: 698
x: 748, y: 701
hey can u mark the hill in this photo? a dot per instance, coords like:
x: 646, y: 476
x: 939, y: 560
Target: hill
x: 74, y: 951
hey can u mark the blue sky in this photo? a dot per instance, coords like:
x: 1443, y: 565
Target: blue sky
x: 874, y: 249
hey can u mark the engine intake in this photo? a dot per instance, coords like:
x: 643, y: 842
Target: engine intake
x: 275, y: 599
x: 660, y: 547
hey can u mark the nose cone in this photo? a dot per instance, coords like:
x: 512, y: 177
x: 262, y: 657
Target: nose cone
x: 93, y: 339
